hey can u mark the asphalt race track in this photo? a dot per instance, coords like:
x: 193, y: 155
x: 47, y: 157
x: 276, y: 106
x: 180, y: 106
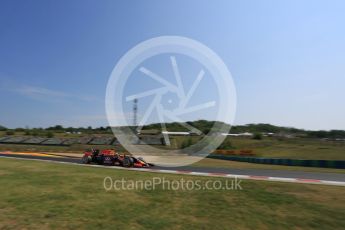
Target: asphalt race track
x: 254, y: 173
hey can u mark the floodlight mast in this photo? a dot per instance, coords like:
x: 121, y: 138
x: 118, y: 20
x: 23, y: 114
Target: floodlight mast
x: 135, y: 113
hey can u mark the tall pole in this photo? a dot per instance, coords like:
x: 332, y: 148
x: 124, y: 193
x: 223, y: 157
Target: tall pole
x: 135, y: 112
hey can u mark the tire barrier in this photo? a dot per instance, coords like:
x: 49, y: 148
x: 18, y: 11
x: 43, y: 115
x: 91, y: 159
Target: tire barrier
x: 280, y: 161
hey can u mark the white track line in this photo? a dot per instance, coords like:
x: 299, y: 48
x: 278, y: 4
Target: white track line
x: 224, y: 175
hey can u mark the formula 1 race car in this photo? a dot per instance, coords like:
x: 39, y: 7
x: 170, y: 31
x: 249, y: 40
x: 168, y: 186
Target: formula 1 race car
x: 112, y: 158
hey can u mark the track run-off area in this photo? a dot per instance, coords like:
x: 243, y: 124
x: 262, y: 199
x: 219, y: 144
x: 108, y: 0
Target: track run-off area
x: 336, y: 179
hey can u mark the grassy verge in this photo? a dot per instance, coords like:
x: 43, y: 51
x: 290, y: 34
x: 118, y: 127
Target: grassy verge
x: 47, y: 195
x: 78, y: 149
x: 298, y: 148
x: 207, y: 162
x: 52, y: 148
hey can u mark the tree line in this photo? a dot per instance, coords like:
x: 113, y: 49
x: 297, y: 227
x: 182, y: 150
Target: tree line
x: 203, y: 125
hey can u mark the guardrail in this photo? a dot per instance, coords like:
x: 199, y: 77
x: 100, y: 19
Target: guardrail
x: 281, y: 161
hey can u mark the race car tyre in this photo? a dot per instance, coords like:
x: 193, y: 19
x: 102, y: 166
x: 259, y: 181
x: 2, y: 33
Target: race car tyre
x: 86, y: 160
x: 127, y: 162
x: 100, y: 160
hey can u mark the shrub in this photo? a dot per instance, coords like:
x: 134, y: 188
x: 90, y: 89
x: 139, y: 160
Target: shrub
x: 226, y: 145
x: 257, y: 136
x: 35, y: 133
x: 9, y: 132
x: 50, y: 135
x: 186, y: 143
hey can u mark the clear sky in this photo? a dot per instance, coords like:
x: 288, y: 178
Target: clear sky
x: 287, y: 58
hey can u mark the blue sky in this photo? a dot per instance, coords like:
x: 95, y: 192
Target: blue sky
x: 287, y: 58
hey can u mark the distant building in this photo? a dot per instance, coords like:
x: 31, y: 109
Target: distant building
x: 176, y: 133
x: 285, y: 135
x: 238, y: 134
x: 74, y: 132
x: 149, y: 132
x: 268, y: 134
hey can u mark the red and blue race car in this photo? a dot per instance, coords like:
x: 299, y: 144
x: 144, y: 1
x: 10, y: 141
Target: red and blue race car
x: 112, y: 158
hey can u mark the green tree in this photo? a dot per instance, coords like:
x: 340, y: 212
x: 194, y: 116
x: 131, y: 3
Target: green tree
x: 257, y: 136
x: 56, y: 127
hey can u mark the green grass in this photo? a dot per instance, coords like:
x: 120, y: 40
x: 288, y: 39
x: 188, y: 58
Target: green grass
x: 52, y: 148
x: 36, y: 195
x: 207, y: 162
x: 297, y: 148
